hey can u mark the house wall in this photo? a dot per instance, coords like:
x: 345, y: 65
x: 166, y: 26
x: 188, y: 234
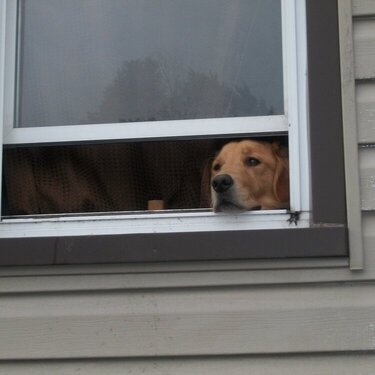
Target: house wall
x: 207, y: 318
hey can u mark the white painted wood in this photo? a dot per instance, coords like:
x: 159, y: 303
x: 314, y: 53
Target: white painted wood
x: 303, y: 103
x: 367, y: 172
x: 161, y: 222
x: 365, y: 96
x: 3, y: 12
x: 295, y: 88
x: 348, y: 364
x: 9, y: 66
x: 353, y: 203
x: 364, y: 48
x: 188, y: 322
x: 146, y: 130
x: 363, y: 7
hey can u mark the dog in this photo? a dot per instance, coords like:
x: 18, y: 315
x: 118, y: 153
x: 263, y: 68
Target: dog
x: 250, y: 175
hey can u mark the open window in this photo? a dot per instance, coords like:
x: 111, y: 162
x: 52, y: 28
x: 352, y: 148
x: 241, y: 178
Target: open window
x: 111, y: 105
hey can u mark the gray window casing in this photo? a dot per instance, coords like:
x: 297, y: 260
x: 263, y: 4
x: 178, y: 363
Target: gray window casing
x: 327, y: 235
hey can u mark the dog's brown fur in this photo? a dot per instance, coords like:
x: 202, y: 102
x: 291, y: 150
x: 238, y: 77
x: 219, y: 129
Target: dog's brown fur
x: 255, y: 186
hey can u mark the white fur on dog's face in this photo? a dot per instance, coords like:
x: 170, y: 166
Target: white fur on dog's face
x: 259, y: 171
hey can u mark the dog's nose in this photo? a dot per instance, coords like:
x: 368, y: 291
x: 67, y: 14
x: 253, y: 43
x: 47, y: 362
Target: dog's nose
x: 222, y: 183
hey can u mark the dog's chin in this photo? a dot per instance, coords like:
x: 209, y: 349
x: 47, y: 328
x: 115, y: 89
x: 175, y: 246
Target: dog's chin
x: 230, y: 206
x: 225, y: 205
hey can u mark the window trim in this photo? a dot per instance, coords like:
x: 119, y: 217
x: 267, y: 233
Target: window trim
x: 351, y: 154
x: 328, y: 232
x: 325, y: 110
x: 47, y: 135
x: 171, y: 247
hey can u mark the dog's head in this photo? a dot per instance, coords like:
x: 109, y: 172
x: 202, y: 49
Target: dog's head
x: 249, y: 175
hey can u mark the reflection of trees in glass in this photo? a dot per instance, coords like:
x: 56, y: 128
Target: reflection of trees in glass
x: 141, y: 91
x: 136, y: 94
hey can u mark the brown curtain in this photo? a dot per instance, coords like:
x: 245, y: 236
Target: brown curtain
x: 107, y: 177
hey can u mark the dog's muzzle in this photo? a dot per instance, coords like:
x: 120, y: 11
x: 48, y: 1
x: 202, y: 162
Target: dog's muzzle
x: 225, y: 200
x: 222, y: 183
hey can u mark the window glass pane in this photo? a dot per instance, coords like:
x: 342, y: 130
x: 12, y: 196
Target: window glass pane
x: 105, y: 61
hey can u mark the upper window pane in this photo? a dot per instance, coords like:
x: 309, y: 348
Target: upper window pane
x: 109, y: 61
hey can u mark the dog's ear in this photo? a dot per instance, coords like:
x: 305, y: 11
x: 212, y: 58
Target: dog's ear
x: 281, y: 177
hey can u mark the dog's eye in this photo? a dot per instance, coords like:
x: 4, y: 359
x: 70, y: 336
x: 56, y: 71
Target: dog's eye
x: 216, y: 167
x: 251, y: 162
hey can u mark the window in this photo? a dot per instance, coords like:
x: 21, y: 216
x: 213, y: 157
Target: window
x: 190, y: 73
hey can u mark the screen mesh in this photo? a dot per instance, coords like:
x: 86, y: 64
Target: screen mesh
x: 107, y: 177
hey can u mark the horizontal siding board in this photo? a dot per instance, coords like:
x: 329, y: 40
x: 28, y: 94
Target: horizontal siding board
x: 364, y: 48
x: 188, y: 322
x: 323, y: 271
x: 168, y: 267
x: 363, y: 7
x: 367, y: 178
x: 365, y: 97
x: 348, y: 364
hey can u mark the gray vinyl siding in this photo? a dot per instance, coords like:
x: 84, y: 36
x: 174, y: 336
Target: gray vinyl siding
x: 188, y: 322
x: 321, y: 364
x: 364, y: 47
x: 207, y: 318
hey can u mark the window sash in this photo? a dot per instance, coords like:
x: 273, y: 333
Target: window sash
x: 142, y: 130
x: 155, y: 130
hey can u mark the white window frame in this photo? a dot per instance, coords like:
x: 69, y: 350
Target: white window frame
x: 293, y: 123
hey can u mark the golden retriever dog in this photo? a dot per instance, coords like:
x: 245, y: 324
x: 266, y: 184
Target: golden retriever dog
x: 250, y: 175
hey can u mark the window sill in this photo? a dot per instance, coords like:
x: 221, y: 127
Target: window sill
x: 237, y: 244
x: 146, y: 222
